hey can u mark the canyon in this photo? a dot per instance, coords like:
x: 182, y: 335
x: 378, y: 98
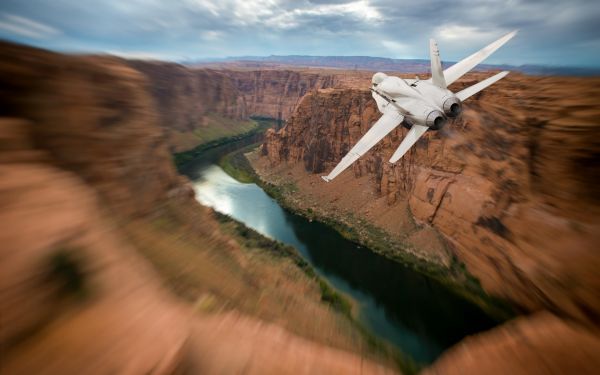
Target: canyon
x: 508, y: 190
x: 92, y: 202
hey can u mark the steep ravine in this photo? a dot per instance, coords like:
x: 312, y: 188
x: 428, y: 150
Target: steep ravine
x: 509, y: 190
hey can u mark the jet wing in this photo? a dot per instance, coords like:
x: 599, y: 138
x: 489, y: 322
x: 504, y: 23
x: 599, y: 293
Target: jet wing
x: 413, y: 135
x: 472, y: 90
x: 462, y: 67
x: 390, y: 119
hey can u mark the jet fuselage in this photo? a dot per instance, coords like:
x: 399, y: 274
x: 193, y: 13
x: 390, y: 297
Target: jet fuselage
x: 421, y: 102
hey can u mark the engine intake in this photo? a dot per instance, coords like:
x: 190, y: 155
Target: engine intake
x: 435, y: 120
x: 452, y: 107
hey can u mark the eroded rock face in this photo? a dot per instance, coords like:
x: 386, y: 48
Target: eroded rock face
x: 184, y: 95
x: 511, y: 185
x: 94, y: 117
x: 185, y: 98
x: 276, y: 93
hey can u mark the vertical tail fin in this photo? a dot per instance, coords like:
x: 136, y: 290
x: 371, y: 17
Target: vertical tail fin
x: 437, y: 73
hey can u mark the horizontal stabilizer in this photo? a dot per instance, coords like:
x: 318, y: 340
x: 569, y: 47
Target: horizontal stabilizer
x: 461, y: 68
x: 413, y: 135
x: 472, y: 90
x: 386, y: 123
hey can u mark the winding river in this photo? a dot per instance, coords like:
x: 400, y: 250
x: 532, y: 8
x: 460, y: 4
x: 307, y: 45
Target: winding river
x: 397, y: 304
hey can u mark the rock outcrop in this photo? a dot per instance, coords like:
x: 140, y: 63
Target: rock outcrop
x: 276, y: 93
x: 186, y: 101
x: 95, y: 118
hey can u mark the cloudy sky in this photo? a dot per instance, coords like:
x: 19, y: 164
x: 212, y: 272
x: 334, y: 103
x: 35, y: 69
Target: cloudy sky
x: 552, y: 32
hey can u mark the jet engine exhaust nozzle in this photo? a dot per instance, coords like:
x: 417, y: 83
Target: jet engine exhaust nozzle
x: 435, y: 120
x: 452, y: 107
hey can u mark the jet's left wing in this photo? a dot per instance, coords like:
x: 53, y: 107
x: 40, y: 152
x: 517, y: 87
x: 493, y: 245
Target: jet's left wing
x: 472, y: 90
x: 390, y: 119
x: 413, y: 135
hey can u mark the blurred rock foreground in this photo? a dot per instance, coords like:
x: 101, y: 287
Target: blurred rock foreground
x: 108, y: 265
x: 87, y: 186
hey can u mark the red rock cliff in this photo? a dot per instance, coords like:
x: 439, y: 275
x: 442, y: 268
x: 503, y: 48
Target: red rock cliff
x: 186, y: 98
x: 276, y: 93
x: 95, y: 117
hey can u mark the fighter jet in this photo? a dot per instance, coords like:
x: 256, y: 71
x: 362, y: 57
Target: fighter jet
x: 420, y: 105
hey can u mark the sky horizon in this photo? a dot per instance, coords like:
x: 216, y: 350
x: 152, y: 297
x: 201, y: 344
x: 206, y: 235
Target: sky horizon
x: 551, y: 32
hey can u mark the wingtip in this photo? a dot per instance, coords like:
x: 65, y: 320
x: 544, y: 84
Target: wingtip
x: 502, y: 74
x: 325, y: 178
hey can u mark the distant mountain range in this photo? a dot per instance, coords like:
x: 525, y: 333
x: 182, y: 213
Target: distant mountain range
x: 381, y: 64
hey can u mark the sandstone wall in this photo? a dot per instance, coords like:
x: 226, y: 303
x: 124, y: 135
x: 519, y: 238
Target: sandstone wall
x: 276, y: 93
x: 185, y: 99
x: 94, y: 117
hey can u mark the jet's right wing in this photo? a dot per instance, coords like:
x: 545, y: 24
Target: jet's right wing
x: 386, y: 123
x: 461, y: 68
x: 413, y: 135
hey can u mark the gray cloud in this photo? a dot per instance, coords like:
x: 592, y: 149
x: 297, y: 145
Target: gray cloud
x: 552, y: 32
